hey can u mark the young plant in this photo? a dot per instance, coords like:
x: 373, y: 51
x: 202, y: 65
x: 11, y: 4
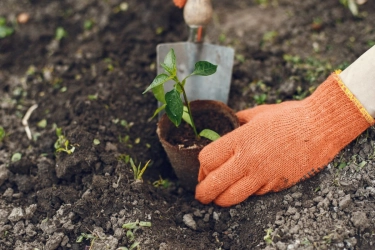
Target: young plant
x: 131, y: 228
x: 137, y: 170
x: 62, y: 144
x: 89, y: 237
x: 4, y: 29
x: 2, y: 133
x: 268, y: 237
x: 171, y: 101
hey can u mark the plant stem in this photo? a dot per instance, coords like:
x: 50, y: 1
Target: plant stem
x: 189, y: 110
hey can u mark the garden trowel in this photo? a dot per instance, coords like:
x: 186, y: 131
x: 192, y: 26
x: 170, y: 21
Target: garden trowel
x: 197, y: 14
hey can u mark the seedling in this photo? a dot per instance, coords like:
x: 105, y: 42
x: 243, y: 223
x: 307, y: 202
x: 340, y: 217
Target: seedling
x: 260, y: 99
x: 124, y: 158
x: 137, y: 170
x: 268, y: 237
x: 89, y: 237
x: 4, y: 29
x: 60, y: 33
x: 131, y: 228
x: 2, y: 134
x: 62, y: 144
x: 16, y: 157
x: 164, y: 183
x: 92, y: 237
x: 171, y: 101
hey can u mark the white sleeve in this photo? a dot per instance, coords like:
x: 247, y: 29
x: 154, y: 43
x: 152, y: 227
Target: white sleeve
x: 359, y: 78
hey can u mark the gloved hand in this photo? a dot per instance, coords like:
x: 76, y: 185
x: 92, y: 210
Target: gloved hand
x: 280, y: 144
x: 179, y: 3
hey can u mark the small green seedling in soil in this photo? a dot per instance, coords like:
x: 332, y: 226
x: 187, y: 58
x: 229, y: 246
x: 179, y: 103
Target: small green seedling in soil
x: 124, y: 158
x: 131, y: 228
x: 62, y: 144
x: 2, y: 134
x: 164, y: 183
x: 16, y: 157
x: 268, y: 237
x: 4, y: 29
x: 137, y: 170
x: 90, y: 237
x: 260, y: 99
x: 60, y: 33
x: 171, y: 101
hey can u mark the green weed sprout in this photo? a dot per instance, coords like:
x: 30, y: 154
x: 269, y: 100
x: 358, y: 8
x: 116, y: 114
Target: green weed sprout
x: 268, y: 237
x: 4, y: 29
x: 62, y: 144
x: 137, y: 170
x: 171, y: 101
x: 161, y: 183
x: 89, y: 237
x: 2, y: 134
x: 131, y: 228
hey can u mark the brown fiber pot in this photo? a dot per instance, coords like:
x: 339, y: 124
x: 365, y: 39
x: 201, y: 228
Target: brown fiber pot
x: 184, y: 159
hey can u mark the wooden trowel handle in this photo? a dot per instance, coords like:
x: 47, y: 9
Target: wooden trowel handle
x: 198, y: 12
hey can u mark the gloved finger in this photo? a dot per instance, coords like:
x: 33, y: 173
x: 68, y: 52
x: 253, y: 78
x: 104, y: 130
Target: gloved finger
x: 239, y: 191
x: 275, y: 185
x: 246, y: 115
x: 218, y: 181
x: 179, y: 3
x: 214, y: 155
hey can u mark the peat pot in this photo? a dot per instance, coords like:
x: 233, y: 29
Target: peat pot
x: 180, y: 143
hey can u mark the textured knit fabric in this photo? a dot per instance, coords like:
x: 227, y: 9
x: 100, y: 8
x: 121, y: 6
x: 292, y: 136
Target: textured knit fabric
x: 179, y: 3
x: 280, y: 145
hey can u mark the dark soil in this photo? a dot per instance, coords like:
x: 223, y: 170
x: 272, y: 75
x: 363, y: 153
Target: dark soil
x: 90, y: 84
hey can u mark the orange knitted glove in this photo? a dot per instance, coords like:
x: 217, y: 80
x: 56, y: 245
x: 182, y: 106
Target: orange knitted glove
x: 179, y: 3
x: 280, y: 145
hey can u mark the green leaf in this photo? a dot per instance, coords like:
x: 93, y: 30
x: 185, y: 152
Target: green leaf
x: 134, y: 245
x: 159, y: 80
x: 58, y: 132
x: 159, y: 93
x: 204, y: 68
x: 2, y: 133
x: 80, y: 239
x: 130, y: 225
x: 5, y: 31
x: 169, y: 64
x: 174, y: 108
x: 145, y: 224
x: 209, y: 134
x: 158, y: 110
x: 16, y: 157
x: 42, y: 123
x: 130, y: 235
x: 342, y: 165
x: 362, y: 164
x: 60, y: 33
x: 186, y: 116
